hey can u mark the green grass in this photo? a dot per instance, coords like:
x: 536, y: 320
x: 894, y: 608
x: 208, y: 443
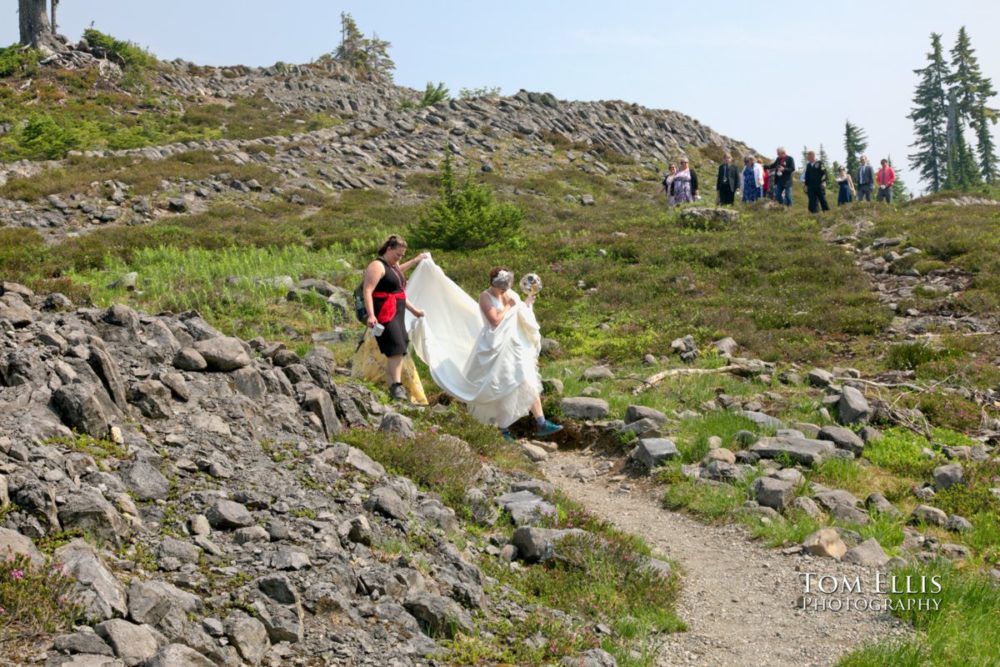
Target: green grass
x: 956, y: 635
x: 234, y: 287
x: 693, y: 435
x: 796, y: 527
x: 900, y: 451
x: 709, y: 501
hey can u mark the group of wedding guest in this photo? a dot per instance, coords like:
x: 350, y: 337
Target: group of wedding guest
x: 774, y: 181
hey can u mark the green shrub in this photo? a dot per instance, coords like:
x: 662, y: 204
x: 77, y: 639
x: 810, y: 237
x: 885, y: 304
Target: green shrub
x: 900, y: 450
x: 34, y: 601
x: 434, y: 94
x: 907, y: 356
x: 16, y: 59
x: 973, y: 495
x: 43, y: 137
x: 130, y: 54
x: 465, y: 216
x: 949, y: 410
x: 446, y: 466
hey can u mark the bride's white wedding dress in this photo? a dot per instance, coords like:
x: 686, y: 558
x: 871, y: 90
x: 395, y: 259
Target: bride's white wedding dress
x: 494, y: 371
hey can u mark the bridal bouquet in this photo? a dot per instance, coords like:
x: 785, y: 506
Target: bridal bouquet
x: 531, y: 284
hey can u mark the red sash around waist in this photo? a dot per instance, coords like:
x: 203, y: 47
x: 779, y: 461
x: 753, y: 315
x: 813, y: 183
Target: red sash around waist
x: 388, y: 309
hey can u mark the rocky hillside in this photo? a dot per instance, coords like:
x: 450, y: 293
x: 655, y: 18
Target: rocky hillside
x: 374, y: 144
x: 192, y: 488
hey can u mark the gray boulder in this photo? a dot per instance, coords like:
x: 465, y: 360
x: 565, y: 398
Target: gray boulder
x: 867, y: 554
x: 100, y: 593
x: 775, y: 493
x: 439, y: 616
x: 539, y: 544
x: 842, y: 438
x: 178, y: 655
x: 223, y: 353
x: 189, y: 359
x: 80, y: 408
x: 87, y: 510
x: 227, y: 515
x: 152, y: 398
x: 958, y: 524
x: 800, y: 450
x: 13, y: 543
x: 318, y: 402
x: 652, y: 452
x: 248, y: 636
x: 85, y: 641
x: 595, y: 657
x: 761, y: 419
x: 150, y: 601
x: 525, y: 507
x: 387, y: 502
x: 145, y: 481
x: 401, y: 425
x: 929, y: 515
x: 581, y: 407
x: 947, y: 476
x: 134, y: 644
x: 876, y: 502
x: 853, y: 408
x: 634, y: 413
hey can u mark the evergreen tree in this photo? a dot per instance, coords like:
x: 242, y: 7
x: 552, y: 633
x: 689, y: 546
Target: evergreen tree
x: 985, y: 118
x: 369, y: 57
x: 899, y: 191
x: 965, y: 75
x: 972, y: 93
x: 962, y: 170
x: 855, y: 144
x: 824, y: 162
x: 930, y: 116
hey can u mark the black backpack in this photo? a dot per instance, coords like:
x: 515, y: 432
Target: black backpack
x: 360, y: 311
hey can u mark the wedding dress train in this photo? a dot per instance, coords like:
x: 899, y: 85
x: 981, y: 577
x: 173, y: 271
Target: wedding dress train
x: 493, y: 370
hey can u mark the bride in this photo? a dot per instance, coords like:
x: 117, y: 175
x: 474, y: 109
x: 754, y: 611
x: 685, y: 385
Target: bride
x: 484, y: 354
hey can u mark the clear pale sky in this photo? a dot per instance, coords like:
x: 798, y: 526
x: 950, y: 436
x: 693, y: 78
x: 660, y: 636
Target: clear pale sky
x: 766, y: 73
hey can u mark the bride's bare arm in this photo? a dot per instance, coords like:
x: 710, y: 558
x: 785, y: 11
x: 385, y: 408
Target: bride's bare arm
x: 493, y: 314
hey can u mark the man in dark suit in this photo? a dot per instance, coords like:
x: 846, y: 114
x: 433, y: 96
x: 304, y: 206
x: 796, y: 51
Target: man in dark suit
x: 815, y: 183
x: 783, y: 168
x: 728, y: 180
x: 866, y: 180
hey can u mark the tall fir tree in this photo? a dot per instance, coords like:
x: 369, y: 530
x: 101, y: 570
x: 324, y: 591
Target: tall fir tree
x: 824, y: 162
x: 985, y: 119
x: 930, y: 118
x: 899, y: 191
x: 855, y: 144
x: 972, y: 94
x: 963, y: 173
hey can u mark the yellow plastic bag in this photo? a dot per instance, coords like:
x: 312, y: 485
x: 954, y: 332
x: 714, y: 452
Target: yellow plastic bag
x: 369, y: 363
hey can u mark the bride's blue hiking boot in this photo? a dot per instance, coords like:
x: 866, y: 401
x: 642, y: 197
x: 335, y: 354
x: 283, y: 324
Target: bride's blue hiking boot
x: 507, y: 436
x: 547, y: 428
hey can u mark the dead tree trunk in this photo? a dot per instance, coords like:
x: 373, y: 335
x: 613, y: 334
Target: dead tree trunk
x: 55, y: 27
x: 33, y: 20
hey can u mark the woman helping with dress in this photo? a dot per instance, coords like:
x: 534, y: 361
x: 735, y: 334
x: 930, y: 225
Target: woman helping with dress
x: 384, y: 290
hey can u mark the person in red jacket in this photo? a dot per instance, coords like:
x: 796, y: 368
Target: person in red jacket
x: 885, y: 178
